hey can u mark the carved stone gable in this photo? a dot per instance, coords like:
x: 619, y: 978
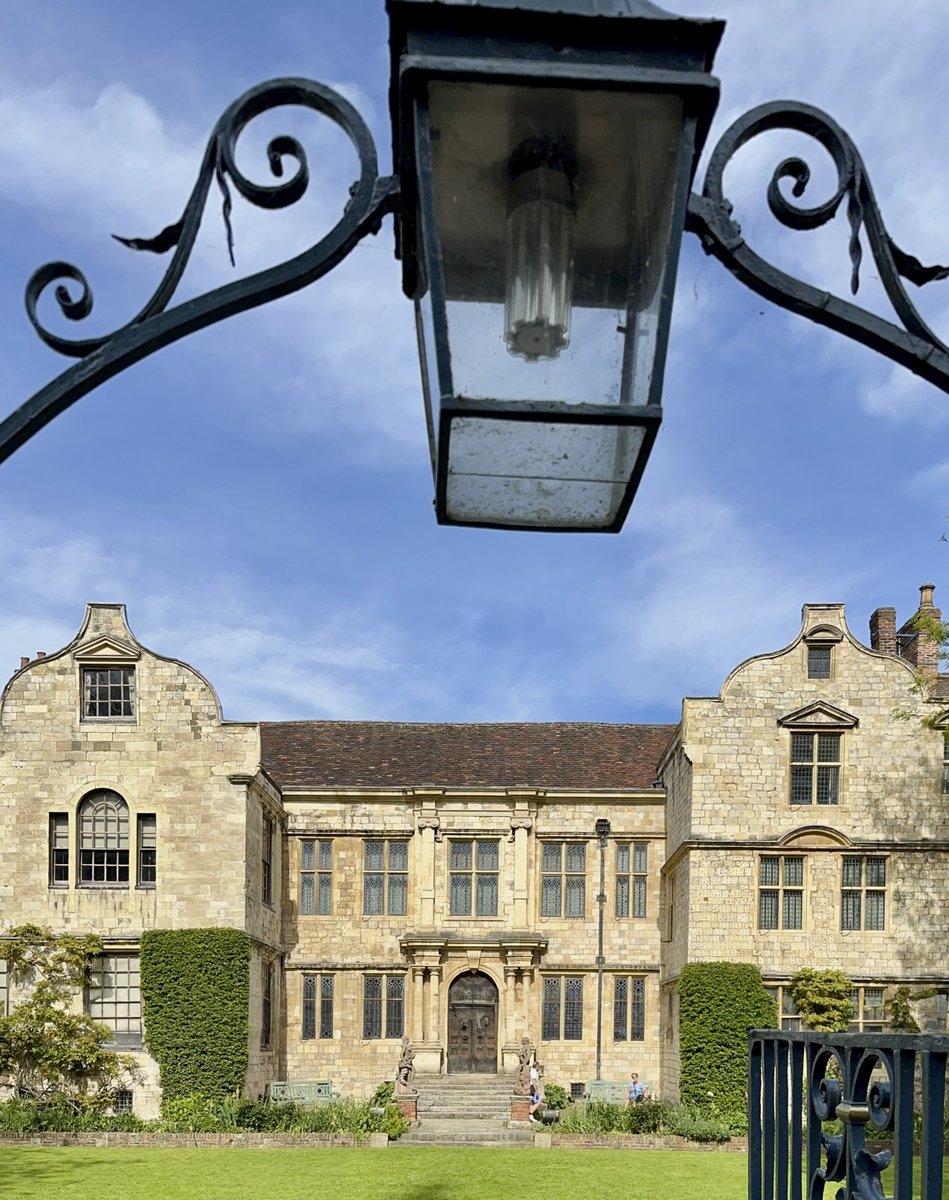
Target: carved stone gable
x: 819, y: 715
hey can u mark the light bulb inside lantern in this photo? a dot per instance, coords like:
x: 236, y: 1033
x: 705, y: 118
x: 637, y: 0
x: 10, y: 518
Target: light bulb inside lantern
x: 540, y: 231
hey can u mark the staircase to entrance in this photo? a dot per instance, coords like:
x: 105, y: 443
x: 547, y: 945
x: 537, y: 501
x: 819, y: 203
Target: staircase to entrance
x: 465, y: 1109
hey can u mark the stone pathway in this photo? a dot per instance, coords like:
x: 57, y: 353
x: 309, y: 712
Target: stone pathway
x: 465, y: 1132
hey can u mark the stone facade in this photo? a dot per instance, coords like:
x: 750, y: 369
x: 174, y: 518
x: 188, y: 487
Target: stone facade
x: 443, y: 882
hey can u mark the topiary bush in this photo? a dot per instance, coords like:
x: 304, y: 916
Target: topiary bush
x: 718, y: 1003
x: 555, y: 1096
x: 195, y: 996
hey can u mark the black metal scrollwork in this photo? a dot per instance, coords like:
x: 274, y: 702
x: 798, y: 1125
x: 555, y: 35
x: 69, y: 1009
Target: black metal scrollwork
x: 710, y: 217
x: 846, y: 1085
x: 156, y: 325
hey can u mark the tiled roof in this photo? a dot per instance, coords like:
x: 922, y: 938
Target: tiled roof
x: 384, y: 754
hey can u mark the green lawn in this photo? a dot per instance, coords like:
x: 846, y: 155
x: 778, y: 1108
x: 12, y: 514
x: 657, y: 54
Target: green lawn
x: 412, y: 1173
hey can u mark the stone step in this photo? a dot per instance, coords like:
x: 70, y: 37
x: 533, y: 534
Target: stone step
x: 466, y: 1132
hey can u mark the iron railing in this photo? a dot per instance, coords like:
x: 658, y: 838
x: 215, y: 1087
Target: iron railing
x: 885, y: 1087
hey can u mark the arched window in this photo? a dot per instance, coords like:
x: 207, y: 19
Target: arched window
x: 103, y: 839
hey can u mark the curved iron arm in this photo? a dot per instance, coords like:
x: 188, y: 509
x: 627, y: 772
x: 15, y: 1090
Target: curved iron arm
x: 914, y: 345
x: 156, y: 325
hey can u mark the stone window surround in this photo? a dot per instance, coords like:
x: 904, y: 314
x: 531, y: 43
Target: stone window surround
x: 785, y: 890
x: 386, y: 886
x: 119, y: 692
x: 316, y: 877
x: 561, y: 1008
x: 629, y: 1008
x: 563, y: 888
x: 383, y: 1006
x: 476, y: 873
x: 868, y: 1011
x: 819, y: 643
x: 317, y: 1006
x: 632, y: 880
x: 856, y: 891
x: 812, y: 721
x: 112, y: 995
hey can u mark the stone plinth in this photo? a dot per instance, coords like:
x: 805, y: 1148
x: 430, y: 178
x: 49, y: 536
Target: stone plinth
x: 408, y: 1104
x: 520, y: 1108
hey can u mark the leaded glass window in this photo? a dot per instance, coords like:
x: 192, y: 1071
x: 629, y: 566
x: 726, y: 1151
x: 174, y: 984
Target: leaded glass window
x: 631, y: 878
x: 316, y: 877
x: 474, y: 877
x: 629, y: 1008
x: 863, y: 892
x: 103, y: 840
x: 318, y: 992
x: 815, y: 768
x: 383, y: 993
x: 108, y: 693
x: 266, y: 1003
x: 385, y: 878
x: 266, y: 860
x: 563, y: 879
x: 780, y: 892
x: 818, y: 662
x: 562, y: 1008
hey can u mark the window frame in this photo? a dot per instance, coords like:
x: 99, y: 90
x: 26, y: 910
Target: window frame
x: 317, y: 1011
x: 4, y: 987
x: 93, y: 858
x: 383, y: 1015
x: 819, y: 656
x: 629, y: 1008
x: 59, y: 850
x: 474, y: 874
x: 266, y: 1003
x: 860, y: 1022
x: 565, y: 879
x: 127, y: 695
x: 390, y: 879
x: 98, y: 1007
x: 945, y: 762
x: 146, y: 841
x: 561, y: 1014
x: 631, y: 901
x: 316, y: 877
x: 818, y: 768
x: 860, y: 892
x: 788, y: 1016
x: 782, y: 890
x: 266, y: 859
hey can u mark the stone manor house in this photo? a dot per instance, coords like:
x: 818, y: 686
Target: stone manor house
x: 451, y: 883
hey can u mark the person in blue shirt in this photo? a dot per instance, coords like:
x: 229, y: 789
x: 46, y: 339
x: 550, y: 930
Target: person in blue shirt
x: 635, y: 1091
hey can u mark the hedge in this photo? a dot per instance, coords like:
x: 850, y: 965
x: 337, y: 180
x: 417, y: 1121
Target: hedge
x: 718, y: 1003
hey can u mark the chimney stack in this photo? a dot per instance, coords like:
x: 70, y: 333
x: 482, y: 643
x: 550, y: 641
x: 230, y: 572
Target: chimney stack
x: 919, y: 647
x: 24, y: 662
x: 883, y: 631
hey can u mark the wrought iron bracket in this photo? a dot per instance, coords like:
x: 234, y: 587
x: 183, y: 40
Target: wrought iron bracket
x: 100, y: 358
x: 911, y: 344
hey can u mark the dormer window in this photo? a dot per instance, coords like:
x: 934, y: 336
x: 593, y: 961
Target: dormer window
x: 108, y: 693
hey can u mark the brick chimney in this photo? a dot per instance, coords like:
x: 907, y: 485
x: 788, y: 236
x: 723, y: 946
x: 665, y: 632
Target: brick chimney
x: 883, y: 631
x: 918, y: 647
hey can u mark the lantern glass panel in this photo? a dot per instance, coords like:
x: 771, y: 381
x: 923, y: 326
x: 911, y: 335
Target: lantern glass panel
x: 552, y: 211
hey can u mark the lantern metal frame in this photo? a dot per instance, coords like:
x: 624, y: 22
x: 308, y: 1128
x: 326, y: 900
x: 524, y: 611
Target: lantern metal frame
x: 159, y: 323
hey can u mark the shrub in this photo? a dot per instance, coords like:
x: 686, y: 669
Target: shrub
x: 383, y: 1094
x: 718, y: 1003
x: 555, y: 1096
x: 29, y: 1116
x: 649, y: 1116
x: 697, y: 1125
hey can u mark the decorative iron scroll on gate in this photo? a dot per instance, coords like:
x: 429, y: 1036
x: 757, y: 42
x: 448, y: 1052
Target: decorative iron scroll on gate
x: 873, y: 1084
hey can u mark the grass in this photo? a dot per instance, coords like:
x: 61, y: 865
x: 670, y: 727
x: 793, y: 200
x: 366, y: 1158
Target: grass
x: 410, y: 1173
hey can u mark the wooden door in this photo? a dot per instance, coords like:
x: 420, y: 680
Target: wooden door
x: 473, y: 1025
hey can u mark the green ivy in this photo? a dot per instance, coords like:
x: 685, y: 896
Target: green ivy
x: 195, y: 995
x: 718, y: 1003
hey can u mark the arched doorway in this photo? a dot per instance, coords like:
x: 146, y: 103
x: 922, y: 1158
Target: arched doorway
x: 473, y: 1024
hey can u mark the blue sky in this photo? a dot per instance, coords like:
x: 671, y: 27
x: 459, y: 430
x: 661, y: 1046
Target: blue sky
x: 259, y: 495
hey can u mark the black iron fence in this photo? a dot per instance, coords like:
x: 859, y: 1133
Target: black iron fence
x: 815, y: 1101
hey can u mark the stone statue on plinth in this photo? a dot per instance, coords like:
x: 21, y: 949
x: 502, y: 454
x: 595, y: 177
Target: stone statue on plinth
x: 405, y: 1072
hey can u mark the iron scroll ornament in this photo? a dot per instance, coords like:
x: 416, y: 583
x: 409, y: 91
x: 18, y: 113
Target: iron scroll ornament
x: 914, y: 345
x: 156, y: 325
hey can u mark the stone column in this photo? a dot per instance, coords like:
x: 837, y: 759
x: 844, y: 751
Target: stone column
x: 510, y: 1005
x: 434, y: 1021
x: 418, y: 1004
